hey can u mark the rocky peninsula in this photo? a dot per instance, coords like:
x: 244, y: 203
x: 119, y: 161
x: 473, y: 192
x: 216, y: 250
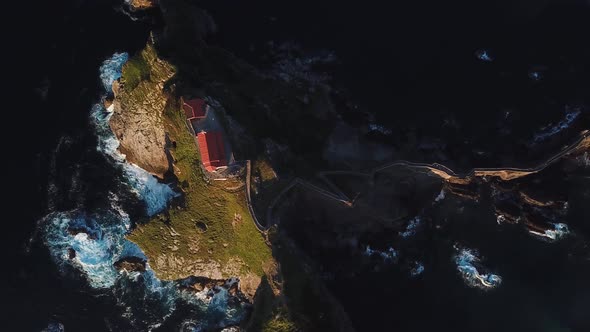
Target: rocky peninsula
x: 208, y: 234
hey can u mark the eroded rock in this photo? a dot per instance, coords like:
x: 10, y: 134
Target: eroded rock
x: 137, y: 116
x: 131, y: 264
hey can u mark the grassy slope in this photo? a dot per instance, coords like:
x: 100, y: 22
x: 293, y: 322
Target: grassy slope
x: 207, y: 203
x: 137, y: 69
x: 263, y: 169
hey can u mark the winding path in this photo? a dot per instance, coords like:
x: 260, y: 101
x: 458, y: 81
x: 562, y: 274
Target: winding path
x: 504, y: 173
x: 249, y: 198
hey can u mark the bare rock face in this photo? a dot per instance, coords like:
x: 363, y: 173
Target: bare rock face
x: 137, y: 115
x: 130, y: 264
x: 142, y: 4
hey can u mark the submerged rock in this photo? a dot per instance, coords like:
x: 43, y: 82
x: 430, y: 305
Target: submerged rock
x: 471, y: 270
x: 131, y: 264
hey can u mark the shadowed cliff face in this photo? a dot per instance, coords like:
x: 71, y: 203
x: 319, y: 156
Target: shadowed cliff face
x: 419, y: 228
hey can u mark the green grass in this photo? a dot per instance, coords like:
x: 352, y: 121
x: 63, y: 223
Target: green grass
x: 225, y: 238
x: 263, y: 168
x: 136, y: 70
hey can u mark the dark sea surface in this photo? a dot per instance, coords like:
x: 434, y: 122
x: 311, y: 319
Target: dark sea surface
x: 63, y: 45
x: 413, y: 64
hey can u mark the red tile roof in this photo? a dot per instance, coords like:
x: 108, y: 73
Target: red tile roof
x: 212, y: 149
x: 194, y: 108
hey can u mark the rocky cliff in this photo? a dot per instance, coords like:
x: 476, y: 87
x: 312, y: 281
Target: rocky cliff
x: 147, y: 119
x: 137, y: 116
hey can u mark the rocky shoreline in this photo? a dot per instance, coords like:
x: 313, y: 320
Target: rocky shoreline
x: 146, y: 120
x: 137, y: 117
x: 144, y: 131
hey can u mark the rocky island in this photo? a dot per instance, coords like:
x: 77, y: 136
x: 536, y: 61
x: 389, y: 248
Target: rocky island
x: 208, y: 230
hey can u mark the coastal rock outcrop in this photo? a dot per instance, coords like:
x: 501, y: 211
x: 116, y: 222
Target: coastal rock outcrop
x: 131, y: 264
x: 142, y: 4
x: 139, y: 103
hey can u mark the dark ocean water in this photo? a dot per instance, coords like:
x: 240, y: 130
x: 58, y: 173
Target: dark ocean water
x: 62, y: 46
x: 415, y: 64
x: 405, y: 62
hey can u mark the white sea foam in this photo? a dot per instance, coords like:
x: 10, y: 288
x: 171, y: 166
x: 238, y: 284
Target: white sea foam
x: 191, y: 325
x: 440, y: 196
x: 54, y: 327
x: 92, y: 242
x: 111, y: 69
x: 584, y: 159
x: 570, y: 116
x: 484, y: 55
x: 382, y: 129
x: 156, y: 195
x: 535, y: 75
x: 97, y: 242
x: 557, y: 232
x: 387, y: 255
x: 468, y: 264
x: 231, y: 329
x: 411, y: 228
x: 417, y: 270
x: 144, y: 295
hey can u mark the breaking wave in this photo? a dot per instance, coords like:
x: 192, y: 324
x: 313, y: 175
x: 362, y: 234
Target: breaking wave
x: 54, y: 327
x: 155, y: 195
x: 91, y: 243
x: 411, y: 228
x: 382, y: 129
x: 417, y: 269
x: 440, y: 196
x: 550, y: 130
x: 584, y: 159
x: 557, y: 232
x: 387, y: 255
x: 111, y: 69
x: 484, y: 55
x: 469, y: 266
